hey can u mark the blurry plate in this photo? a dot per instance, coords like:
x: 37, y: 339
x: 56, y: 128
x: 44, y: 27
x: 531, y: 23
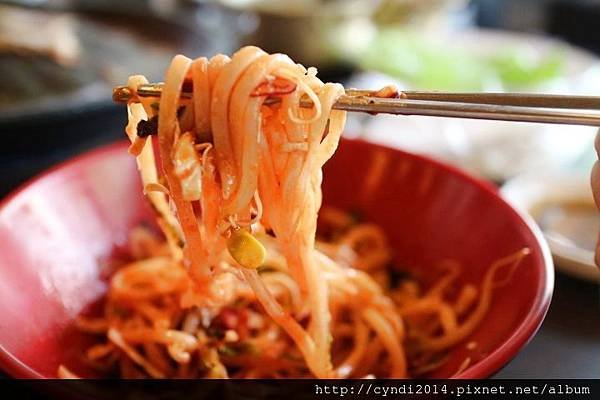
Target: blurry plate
x: 495, y: 150
x: 563, y: 206
x: 49, y: 112
x: 112, y: 47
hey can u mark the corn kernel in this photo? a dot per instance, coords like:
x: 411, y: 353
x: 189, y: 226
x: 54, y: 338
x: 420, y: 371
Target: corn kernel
x: 246, y: 249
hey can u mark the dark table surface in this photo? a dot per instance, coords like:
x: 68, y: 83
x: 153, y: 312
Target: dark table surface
x: 568, y: 343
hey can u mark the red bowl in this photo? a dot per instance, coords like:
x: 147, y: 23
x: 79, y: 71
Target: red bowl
x: 58, y: 229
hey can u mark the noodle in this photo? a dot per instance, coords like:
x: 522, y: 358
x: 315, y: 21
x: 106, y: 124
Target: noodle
x: 242, y: 287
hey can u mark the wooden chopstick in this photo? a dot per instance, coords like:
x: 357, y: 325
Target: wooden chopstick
x: 540, y: 108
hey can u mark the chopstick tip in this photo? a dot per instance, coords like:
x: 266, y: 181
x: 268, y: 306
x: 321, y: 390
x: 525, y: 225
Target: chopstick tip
x: 121, y: 94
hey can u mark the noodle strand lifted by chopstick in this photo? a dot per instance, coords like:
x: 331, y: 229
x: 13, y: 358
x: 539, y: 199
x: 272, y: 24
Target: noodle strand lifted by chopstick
x: 246, y: 289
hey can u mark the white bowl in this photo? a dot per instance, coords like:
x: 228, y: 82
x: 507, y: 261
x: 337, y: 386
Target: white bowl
x: 563, y: 206
x: 496, y: 150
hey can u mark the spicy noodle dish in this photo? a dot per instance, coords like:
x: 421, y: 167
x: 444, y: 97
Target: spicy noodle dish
x: 250, y: 277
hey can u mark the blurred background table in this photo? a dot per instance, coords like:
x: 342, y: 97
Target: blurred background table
x: 52, y: 109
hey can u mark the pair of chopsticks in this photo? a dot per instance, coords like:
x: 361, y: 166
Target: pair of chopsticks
x: 542, y: 108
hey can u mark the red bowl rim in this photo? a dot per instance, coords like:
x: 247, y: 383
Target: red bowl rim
x: 8, y: 362
x: 485, y: 368
x: 525, y: 331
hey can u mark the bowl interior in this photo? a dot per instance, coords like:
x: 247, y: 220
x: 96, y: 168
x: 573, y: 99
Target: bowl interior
x: 58, y: 231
